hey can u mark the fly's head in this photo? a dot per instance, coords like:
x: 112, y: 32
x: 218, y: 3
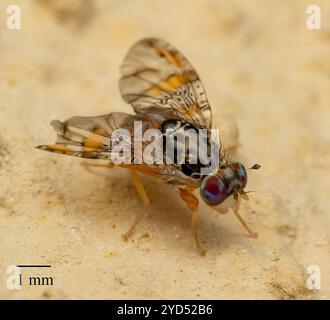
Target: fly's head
x: 231, y: 180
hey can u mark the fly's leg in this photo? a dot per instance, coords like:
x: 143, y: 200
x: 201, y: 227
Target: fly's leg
x: 88, y: 165
x: 143, y: 195
x: 139, y: 187
x: 192, y: 204
x: 236, y: 206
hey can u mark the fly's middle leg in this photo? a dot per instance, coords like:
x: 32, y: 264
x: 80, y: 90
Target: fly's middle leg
x: 192, y: 204
x: 144, y: 197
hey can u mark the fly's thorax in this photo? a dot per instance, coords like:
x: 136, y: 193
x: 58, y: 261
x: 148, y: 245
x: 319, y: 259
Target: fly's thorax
x: 191, y: 148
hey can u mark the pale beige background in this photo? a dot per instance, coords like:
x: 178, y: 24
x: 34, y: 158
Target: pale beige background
x: 260, y: 65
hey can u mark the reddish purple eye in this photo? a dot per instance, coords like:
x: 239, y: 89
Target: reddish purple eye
x: 213, y: 191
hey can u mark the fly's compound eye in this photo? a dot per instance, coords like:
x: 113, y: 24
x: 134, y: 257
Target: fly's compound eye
x: 213, y: 190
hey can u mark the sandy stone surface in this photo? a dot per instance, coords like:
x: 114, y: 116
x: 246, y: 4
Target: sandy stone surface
x: 266, y: 75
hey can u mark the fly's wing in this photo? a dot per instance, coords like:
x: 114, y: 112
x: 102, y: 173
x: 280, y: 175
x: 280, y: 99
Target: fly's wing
x: 93, y: 138
x: 158, y: 78
x: 88, y: 137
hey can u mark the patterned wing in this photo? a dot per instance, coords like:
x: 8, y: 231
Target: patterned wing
x: 158, y: 78
x: 93, y: 138
x: 88, y: 137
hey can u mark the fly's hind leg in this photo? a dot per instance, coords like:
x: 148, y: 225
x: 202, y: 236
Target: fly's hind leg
x: 192, y: 204
x: 236, y: 206
x: 143, y: 195
x: 139, y: 187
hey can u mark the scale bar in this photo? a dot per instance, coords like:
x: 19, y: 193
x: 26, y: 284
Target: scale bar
x: 34, y: 266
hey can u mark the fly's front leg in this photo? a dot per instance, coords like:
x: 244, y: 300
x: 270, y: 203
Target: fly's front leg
x: 192, y: 204
x: 143, y: 195
x: 236, y: 206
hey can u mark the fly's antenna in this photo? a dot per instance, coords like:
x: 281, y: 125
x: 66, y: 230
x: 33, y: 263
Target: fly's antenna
x: 256, y: 166
x: 256, y: 191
